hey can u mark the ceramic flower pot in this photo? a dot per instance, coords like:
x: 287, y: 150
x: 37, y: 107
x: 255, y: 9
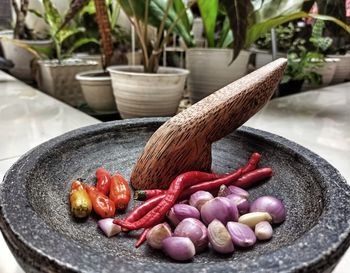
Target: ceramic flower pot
x: 342, y: 71
x: 211, y: 69
x: 263, y: 57
x: 327, y: 72
x: 141, y: 94
x: 20, y: 52
x: 97, y: 90
x: 58, y: 79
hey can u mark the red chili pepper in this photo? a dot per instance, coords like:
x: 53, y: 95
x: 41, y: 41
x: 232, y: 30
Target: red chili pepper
x: 211, y: 185
x: 142, y: 238
x: 252, y: 163
x: 142, y: 195
x: 156, y: 215
x: 103, y: 183
x: 120, y: 192
x: 251, y: 178
x: 101, y: 204
x: 144, y: 208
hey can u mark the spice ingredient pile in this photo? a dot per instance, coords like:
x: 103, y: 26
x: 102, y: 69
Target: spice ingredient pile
x: 197, y: 211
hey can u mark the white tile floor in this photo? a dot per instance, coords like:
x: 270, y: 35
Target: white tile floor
x: 318, y: 120
x: 27, y: 119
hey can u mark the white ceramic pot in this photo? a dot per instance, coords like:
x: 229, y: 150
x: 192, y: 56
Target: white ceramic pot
x: 17, y: 51
x: 141, y: 94
x: 97, y: 90
x: 210, y: 70
x: 326, y: 71
x: 58, y: 79
x: 342, y: 70
x: 264, y: 57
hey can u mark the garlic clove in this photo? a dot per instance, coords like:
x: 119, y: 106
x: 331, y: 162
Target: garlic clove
x: 263, y: 231
x: 253, y: 218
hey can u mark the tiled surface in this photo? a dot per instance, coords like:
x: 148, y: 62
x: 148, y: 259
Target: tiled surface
x: 28, y: 118
x: 318, y: 120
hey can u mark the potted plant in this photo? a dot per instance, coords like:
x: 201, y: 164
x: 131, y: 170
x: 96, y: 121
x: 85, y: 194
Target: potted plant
x: 150, y: 90
x: 21, y: 47
x: 325, y: 66
x: 256, y: 17
x: 285, y: 34
x: 56, y: 75
x: 96, y: 85
x: 259, y: 17
x: 300, y: 68
x: 340, y: 50
x: 307, y: 65
x: 121, y: 35
x: 341, y: 39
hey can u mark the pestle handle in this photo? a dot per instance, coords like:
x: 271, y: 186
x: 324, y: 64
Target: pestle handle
x: 183, y: 143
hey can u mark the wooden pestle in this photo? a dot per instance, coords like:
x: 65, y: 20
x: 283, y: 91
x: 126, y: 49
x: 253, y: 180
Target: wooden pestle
x: 183, y: 143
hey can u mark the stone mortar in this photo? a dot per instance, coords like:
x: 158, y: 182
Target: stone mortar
x: 39, y: 229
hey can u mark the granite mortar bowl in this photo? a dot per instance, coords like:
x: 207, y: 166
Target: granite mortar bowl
x: 39, y: 229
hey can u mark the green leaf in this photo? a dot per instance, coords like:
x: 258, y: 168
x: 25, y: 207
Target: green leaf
x: 179, y: 6
x: 256, y: 30
x: 237, y: 12
x: 47, y: 51
x: 64, y: 34
x: 52, y: 16
x: 133, y: 8
x: 331, y: 19
x: 89, y: 8
x: 209, y: 11
x: 270, y: 9
x: 114, y: 14
x: 80, y: 42
x: 224, y: 32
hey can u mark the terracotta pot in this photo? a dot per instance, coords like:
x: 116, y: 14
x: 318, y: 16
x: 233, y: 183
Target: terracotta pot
x: 18, y: 51
x: 141, y: 94
x: 210, y: 70
x: 97, y: 90
x: 58, y: 79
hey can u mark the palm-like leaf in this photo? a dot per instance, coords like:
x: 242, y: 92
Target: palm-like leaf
x: 237, y: 12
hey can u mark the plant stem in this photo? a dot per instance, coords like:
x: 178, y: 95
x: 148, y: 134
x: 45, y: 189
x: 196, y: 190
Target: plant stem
x: 139, y: 35
x: 145, y: 32
x: 154, y: 59
x: 58, y: 46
